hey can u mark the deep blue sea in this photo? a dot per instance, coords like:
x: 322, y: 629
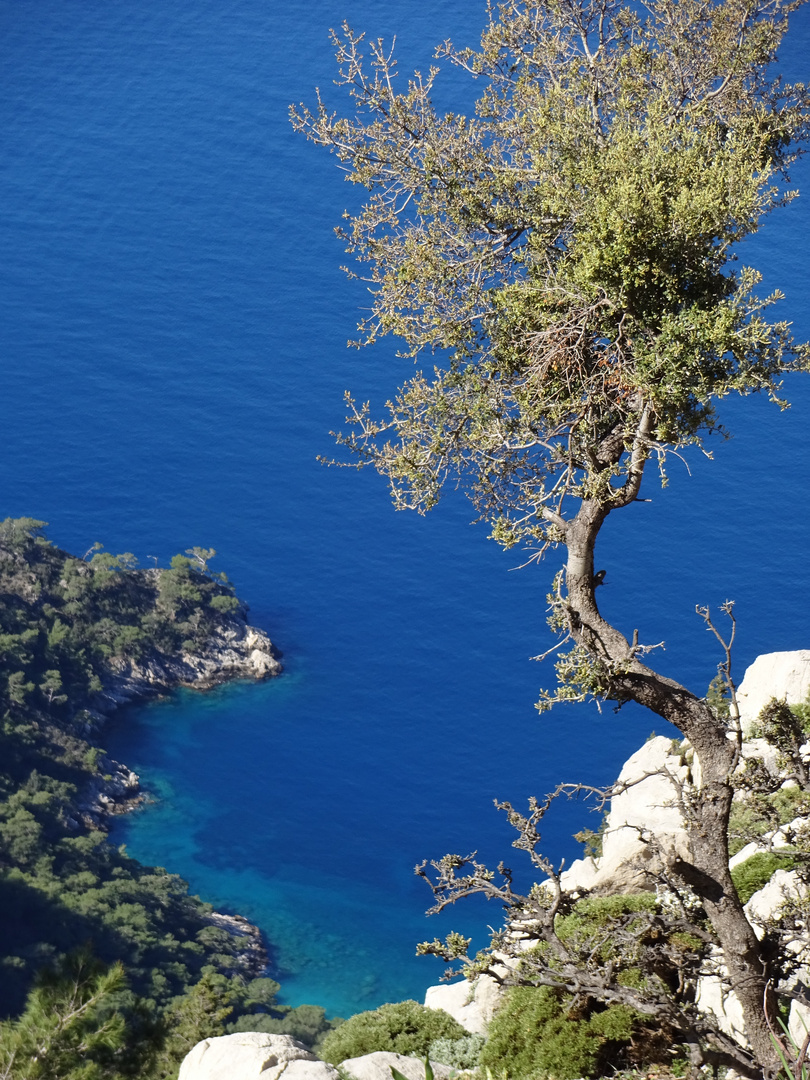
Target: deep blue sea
x: 172, y: 327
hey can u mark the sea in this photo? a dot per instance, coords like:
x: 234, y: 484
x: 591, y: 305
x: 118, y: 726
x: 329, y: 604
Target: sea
x: 173, y: 328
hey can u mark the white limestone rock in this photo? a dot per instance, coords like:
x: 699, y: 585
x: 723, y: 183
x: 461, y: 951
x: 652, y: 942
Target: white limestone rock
x: 471, y: 1004
x: 744, y: 854
x: 783, y: 837
x: 252, y: 1055
x: 648, y: 807
x: 763, y: 750
x: 799, y: 1022
x: 765, y: 904
x: 714, y: 998
x: 377, y: 1066
x: 780, y: 675
x: 581, y: 875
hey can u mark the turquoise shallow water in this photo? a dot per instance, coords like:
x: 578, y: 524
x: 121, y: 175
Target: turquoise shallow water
x: 173, y: 340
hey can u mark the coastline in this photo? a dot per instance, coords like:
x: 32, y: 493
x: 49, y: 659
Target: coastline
x: 236, y: 650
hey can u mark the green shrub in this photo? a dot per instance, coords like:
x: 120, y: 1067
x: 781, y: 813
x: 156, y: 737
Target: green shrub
x: 535, y: 1033
x: 458, y: 1053
x: 404, y: 1028
x: 306, y: 1023
x: 755, y: 873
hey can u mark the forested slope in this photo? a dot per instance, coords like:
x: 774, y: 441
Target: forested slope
x: 72, y: 633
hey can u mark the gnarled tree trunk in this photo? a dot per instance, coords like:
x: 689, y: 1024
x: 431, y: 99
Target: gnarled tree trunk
x: 717, y: 751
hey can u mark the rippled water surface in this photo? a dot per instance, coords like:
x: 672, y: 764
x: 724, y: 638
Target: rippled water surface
x: 173, y: 338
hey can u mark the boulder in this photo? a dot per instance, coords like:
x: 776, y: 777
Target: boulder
x: 377, y: 1066
x: 252, y: 1055
x: 646, y: 808
x: 471, y: 1004
x: 799, y: 1021
x: 715, y: 998
x: 764, y: 905
x: 581, y: 875
x: 778, y: 674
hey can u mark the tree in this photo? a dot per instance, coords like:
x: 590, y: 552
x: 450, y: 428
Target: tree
x: 69, y: 1029
x: 567, y: 252
x: 200, y: 1013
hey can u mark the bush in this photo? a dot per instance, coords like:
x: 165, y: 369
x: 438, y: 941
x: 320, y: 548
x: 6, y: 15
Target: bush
x: 458, y: 1053
x: 755, y: 873
x: 306, y: 1023
x: 535, y: 1033
x: 404, y: 1028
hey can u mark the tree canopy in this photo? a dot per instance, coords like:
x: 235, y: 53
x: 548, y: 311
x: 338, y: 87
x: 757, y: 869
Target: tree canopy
x: 569, y: 244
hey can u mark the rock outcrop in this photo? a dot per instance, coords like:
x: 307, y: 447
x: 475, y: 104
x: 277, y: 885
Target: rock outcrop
x: 234, y: 651
x: 644, y: 828
x: 779, y: 674
x: 251, y: 961
x: 645, y: 809
x: 471, y: 1004
x: 254, y: 1056
x: 114, y: 790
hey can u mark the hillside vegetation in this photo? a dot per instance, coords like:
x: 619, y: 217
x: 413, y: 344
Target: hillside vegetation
x: 80, y: 916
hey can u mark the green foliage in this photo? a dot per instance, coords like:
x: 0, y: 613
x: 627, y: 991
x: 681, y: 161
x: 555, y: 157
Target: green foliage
x: 755, y: 873
x: 69, y: 1029
x: 755, y: 814
x: 404, y: 1028
x: 306, y: 1023
x: 718, y: 697
x: 567, y: 243
x: 224, y: 604
x: 595, y: 914
x: 200, y: 1013
x: 17, y: 533
x: 591, y: 839
x: 544, y: 1030
x: 802, y: 713
x: 782, y: 726
x: 538, y: 1033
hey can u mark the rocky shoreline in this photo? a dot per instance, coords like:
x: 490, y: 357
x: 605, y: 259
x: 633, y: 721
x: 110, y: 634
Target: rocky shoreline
x: 235, y: 650
x: 252, y: 960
